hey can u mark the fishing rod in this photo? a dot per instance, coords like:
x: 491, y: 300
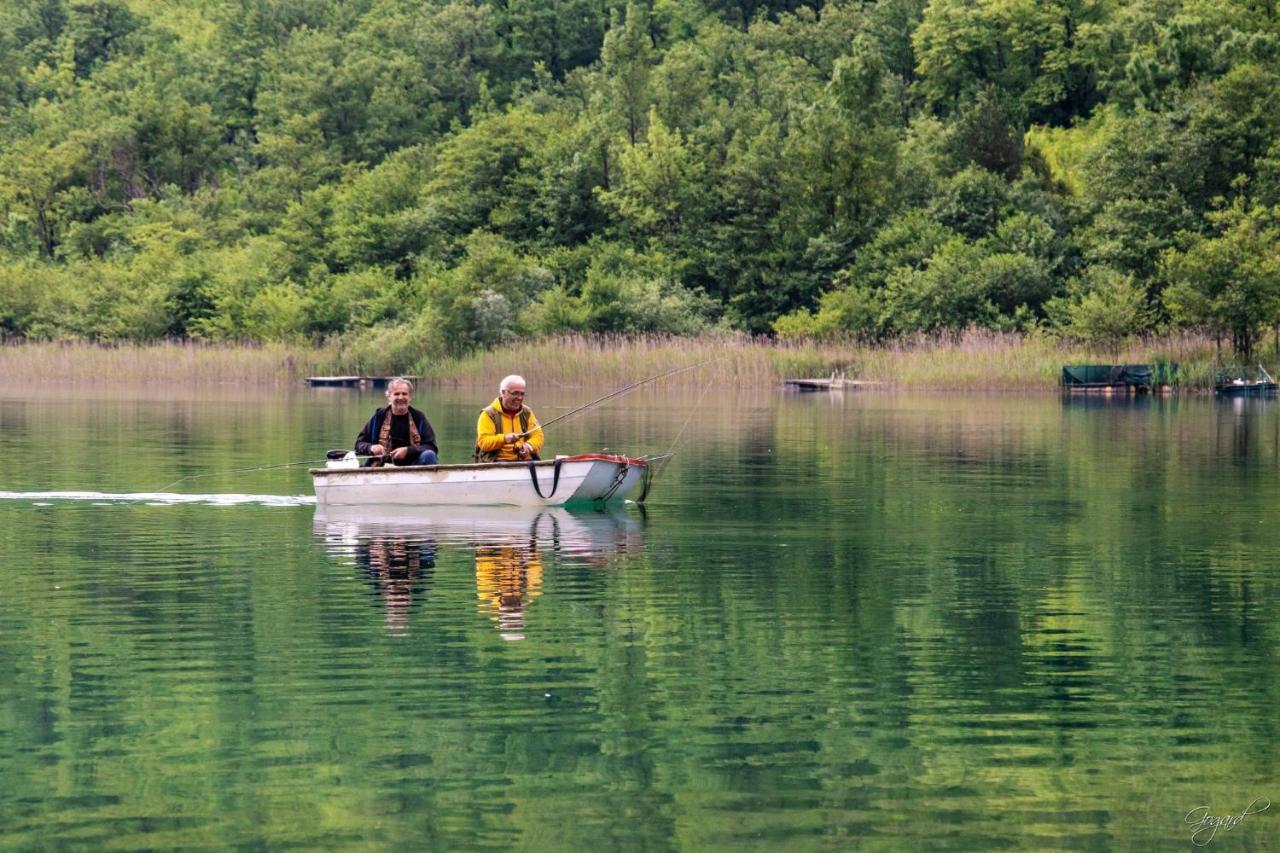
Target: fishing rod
x: 613, y: 394
x: 239, y: 471
x: 384, y: 457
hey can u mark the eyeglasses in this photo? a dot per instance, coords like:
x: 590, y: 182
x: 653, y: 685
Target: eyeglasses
x: 514, y: 393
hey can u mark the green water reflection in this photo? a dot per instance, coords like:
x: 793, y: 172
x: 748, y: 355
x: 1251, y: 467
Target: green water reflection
x: 858, y: 621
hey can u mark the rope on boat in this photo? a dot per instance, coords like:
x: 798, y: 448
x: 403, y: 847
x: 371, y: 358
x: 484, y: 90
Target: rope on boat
x: 618, y: 477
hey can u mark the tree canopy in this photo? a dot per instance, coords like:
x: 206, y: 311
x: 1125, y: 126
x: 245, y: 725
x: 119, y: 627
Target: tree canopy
x: 438, y: 175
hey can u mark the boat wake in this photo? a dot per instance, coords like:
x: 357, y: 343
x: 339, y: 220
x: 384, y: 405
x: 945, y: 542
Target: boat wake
x: 156, y: 499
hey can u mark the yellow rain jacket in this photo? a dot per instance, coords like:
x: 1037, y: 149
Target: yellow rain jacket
x: 489, y: 435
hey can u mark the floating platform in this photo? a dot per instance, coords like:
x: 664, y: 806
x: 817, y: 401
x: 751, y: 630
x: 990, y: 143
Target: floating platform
x: 1118, y: 378
x: 1107, y: 388
x: 349, y: 381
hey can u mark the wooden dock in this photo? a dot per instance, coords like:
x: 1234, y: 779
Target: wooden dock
x: 349, y: 381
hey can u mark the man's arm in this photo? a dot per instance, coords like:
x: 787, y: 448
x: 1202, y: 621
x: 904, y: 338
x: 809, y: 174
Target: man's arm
x: 486, y: 439
x: 428, y: 436
x: 366, y: 437
x: 536, y: 436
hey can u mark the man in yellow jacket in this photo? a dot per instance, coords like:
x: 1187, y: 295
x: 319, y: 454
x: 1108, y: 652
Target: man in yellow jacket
x: 508, y: 430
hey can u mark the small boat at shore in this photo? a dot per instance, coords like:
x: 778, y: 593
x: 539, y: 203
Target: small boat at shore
x: 584, y: 479
x: 1246, y: 384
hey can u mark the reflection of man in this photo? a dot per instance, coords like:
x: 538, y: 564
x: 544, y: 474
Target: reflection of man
x: 395, y: 566
x: 508, y: 578
x: 508, y: 430
x: 398, y: 432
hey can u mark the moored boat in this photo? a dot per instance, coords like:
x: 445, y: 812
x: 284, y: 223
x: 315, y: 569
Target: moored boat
x: 1257, y: 388
x: 1246, y: 384
x: 583, y: 479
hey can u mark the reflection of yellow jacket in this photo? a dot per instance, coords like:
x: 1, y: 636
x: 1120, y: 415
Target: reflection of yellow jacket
x: 507, y: 576
x: 489, y: 439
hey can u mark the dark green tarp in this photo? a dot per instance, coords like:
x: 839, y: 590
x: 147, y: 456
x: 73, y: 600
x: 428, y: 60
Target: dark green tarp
x: 1110, y: 374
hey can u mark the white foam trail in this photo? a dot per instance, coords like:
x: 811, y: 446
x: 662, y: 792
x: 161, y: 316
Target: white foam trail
x: 160, y: 498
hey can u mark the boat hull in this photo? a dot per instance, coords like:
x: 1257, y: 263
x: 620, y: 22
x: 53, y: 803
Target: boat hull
x: 592, y: 478
x: 1247, y: 389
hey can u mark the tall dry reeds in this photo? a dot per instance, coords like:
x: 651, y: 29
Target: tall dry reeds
x: 162, y: 362
x: 971, y: 360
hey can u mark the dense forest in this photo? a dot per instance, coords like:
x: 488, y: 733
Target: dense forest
x: 432, y: 176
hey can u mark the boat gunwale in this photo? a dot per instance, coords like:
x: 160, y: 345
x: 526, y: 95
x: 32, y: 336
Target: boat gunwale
x: 476, y: 466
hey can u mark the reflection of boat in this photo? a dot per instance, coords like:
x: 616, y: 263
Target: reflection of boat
x: 584, y: 532
x: 566, y: 480
x: 1246, y: 384
x: 398, y: 545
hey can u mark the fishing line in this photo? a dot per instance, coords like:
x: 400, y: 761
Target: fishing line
x: 617, y: 393
x: 665, y: 458
x: 316, y: 462
x: 239, y: 471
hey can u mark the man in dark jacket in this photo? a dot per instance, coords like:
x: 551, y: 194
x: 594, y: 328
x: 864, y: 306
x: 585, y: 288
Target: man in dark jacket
x: 398, y: 433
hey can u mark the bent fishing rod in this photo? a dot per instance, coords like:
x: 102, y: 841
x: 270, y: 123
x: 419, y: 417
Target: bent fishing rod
x: 610, y: 396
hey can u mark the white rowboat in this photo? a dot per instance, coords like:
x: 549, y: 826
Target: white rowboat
x: 591, y: 477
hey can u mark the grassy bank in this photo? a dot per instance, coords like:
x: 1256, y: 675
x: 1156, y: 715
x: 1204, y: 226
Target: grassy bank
x: 971, y: 361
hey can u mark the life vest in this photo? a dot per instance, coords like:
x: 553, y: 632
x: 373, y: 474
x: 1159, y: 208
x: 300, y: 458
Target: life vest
x: 495, y: 415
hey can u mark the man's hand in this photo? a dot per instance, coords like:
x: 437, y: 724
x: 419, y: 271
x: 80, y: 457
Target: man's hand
x: 510, y: 438
x: 524, y: 451
x: 376, y: 450
x: 399, y: 454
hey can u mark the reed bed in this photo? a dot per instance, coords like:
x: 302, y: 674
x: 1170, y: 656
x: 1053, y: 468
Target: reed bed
x: 973, y: 360
x: 162, y: 362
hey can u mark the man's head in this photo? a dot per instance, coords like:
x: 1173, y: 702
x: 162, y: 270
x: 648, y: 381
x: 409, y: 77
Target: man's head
x: 399, y: 393
x: 511, y: 393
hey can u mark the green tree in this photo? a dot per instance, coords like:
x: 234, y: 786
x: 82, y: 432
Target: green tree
x: 627, y: 59
x: 1228, y: 283
x: 1103, y: 308
x: 659, y: 187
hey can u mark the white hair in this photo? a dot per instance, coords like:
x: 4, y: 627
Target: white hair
x: 399, y: 380
x: 502, y: 386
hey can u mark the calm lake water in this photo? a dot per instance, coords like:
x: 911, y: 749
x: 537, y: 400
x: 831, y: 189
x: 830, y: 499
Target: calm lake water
x: 869, y: 621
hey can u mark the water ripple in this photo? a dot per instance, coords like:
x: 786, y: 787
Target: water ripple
x: 158, y: 498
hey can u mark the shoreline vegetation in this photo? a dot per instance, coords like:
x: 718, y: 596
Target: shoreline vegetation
x: 973, y: 360
x: 408, y: 183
